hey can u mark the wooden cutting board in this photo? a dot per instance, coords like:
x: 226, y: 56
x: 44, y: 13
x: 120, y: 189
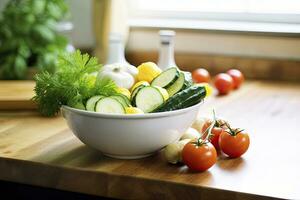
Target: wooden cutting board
x: 16, y: 95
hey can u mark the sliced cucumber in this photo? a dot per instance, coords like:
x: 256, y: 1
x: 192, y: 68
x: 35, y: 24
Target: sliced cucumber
x: 109, y: 105
x: 148, y: 99
x: 177, y: 85
x: 91, y: 102
x: 127, y: 100
x: 122, y: 99
x: 166, y: 78
x: 188, y: 79
x: 134, y: 93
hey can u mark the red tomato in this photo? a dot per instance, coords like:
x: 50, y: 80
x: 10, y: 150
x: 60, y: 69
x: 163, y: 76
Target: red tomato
x: 201, y: 75
x: 237, y: 76
x: 199, y: 157
x: 223, y: 83
x: 234, y: 145
x: 216, y: 131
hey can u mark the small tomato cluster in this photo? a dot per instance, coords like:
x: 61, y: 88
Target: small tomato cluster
x: 224, y: 82
x: 199, y: 151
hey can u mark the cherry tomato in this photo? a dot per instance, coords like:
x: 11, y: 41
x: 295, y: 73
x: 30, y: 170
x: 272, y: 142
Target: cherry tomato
x: 223, y: 83
x: 234, y: 144
x: 199, y: 157
x: 237, y: 76
x: 216, y: 131
x: 201, y: 75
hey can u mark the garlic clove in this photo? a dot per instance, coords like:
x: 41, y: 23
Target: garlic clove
x: 182, y: 143
x: 172, y: 152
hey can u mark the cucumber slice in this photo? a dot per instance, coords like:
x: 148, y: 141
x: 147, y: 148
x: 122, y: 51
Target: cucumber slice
x: 127, y: 100
x: 134, y: 93
x: 177, y: 85
x: 91, y: 102
x: 122, y: 99
x: 188, y: 79
x: 148, y: 99
x: 109, y: 105
x: 166, y: 78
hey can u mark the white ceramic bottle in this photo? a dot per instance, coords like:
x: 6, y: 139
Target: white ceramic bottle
x: 116, y: 52
x: 116, y: 66
x: 166, y: 52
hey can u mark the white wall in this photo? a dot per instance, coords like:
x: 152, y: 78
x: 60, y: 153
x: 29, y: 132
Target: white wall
x: 81, y: 11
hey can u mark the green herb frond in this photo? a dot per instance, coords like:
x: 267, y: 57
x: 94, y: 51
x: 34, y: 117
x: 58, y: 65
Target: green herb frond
x: 105, y: 86
x: 73, y: 83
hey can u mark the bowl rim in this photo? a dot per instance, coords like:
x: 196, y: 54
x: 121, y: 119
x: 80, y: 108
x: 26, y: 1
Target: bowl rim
x: 135, y: 116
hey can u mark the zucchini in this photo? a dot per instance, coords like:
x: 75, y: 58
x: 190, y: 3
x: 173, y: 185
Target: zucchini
x: 122, y: 99
x: 166, y: 78
x: 177, y: 85
x: 91, y: 102
x: 186, y: 98
x: 148, y: 99
x: 109, y: 105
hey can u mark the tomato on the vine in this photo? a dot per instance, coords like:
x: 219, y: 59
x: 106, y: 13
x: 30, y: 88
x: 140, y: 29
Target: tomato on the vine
x: 234, y: 142
x: 200, y: 75
x: 199, y: 156
x: 216, y: 131
x: 237, y: 76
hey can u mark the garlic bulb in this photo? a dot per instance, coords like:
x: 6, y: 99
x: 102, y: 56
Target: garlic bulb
x: 122, y: 75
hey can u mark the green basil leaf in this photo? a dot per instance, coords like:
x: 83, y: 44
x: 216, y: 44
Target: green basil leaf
x: 43, y: 33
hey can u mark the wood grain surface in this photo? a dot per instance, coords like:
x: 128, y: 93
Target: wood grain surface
x: 42, y: 151
x: 15, y: 95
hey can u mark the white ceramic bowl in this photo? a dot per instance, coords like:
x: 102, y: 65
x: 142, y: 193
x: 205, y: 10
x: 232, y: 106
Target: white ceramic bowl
x: 129, y: 136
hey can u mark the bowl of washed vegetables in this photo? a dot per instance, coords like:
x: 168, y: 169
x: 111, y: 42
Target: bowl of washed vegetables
x: 122, y: 111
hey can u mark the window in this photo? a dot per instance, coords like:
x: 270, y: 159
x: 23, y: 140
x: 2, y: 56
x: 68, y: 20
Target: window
x: 287, y: 11
x: 282, y: 16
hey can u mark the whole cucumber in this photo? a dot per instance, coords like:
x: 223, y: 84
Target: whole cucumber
x: 186, y: 98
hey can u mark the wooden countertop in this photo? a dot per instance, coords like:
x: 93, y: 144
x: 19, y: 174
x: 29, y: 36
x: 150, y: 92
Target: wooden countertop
x: 16, y: 95
x: 43, y: 152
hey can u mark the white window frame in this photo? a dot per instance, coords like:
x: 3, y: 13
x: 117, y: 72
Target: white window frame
x: 221, y: 16
x: 241, y: 22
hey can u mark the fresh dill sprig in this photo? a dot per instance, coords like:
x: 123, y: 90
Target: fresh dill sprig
x: 71, y: 85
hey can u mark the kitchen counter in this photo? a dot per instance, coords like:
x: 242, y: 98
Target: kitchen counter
x: 43, y: 152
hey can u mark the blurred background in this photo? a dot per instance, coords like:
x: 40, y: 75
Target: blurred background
x: 259, y: 37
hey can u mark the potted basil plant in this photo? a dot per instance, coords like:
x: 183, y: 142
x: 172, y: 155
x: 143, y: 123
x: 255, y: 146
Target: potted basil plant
x: 29, y: 40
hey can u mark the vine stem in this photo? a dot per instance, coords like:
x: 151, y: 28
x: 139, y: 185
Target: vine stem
x: 207, y: 132
x: 233, y: 132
